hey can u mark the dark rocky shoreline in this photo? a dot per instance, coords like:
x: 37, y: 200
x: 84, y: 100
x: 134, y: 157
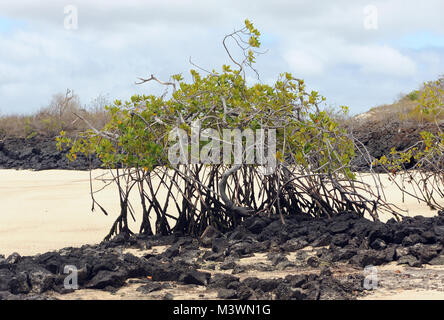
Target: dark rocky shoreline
x: 380, y: 137
x: 213, y: 262
x: 40, y: 153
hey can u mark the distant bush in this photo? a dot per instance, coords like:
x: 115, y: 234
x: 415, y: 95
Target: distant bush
x: 59, y: 115
x: 414, y: 95
x: 430, y: 102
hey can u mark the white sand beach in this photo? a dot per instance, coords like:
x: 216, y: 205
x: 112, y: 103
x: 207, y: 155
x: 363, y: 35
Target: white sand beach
x: 49, y: 210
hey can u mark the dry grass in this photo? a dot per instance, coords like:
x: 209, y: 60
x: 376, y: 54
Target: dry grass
x: 57, y: 116
x: 405, y: 109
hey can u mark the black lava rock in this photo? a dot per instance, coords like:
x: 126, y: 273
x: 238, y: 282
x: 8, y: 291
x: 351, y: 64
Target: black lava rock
x: 195, y: 277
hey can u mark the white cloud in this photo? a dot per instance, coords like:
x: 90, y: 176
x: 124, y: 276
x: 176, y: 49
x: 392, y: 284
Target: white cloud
x: 381, y: 60
x: 331, y: 54
x: 117, y: 41
x: 304, y: 63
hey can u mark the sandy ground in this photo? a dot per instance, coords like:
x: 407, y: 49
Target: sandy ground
x: 406, y: 295
x: 49, y: 210
x: 41, y: 211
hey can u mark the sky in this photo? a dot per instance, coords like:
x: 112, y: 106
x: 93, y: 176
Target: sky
x: 357, y: 53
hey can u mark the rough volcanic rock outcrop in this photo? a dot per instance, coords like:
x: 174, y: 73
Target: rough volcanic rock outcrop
x: 38, y: 153
x: 218, y: 263
x: 380, y: 137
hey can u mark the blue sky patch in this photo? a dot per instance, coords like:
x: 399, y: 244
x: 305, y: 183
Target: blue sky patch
x: 8, y: 24
x: 421, y: 40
